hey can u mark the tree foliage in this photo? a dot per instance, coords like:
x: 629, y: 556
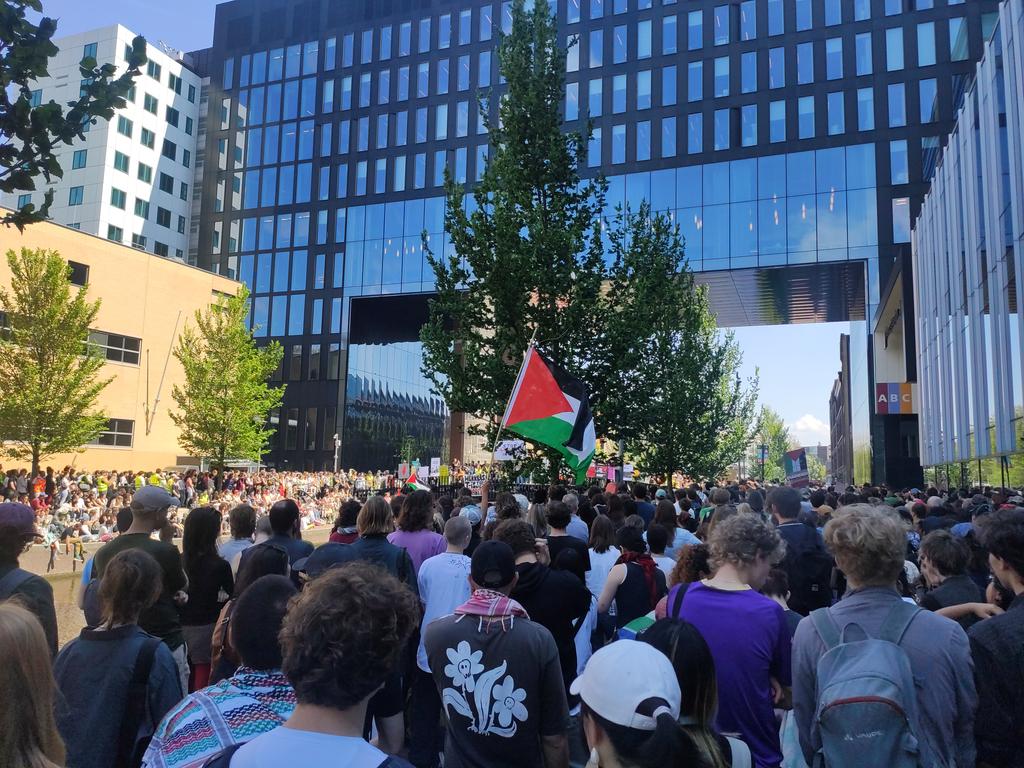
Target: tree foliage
x: 224, y: 403
x: 49, y: 378
x: 774, y: 433
x: 29, y: 136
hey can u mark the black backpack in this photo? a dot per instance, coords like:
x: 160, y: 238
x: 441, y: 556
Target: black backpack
x: 809, y: 568
x: 12, y: 580
x: 91, y: 606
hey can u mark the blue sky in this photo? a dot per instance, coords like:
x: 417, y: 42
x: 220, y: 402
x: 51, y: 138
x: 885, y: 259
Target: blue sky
x: 797, y: 363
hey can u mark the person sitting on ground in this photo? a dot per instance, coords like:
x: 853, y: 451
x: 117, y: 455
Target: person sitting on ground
x: 869, y: 544
x: 498, y: 673
x: 559, y: 539
x: 635, y: 583
x: 657, y: 540
x: 944, y: 558
x: 28, y: 728
x: 335, y: 665
x: 745, y: 630
x: 242, y: 521
x: 345, y: 530
x: 116, y: 681
x: 996, y: 645
x: 255, y: 699
x: 694, y: 665
x: 630, y: 702
x: 415, y: 529
x: 17, y: 532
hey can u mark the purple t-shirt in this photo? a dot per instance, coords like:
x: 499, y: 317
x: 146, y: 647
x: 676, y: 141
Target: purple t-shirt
x: 419, y: 544
x: 750, y: 643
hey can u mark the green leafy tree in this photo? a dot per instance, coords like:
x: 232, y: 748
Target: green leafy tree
x: 29, y: 135
x: 527, y: 258
x: 49, y: 377
x: 815, y: 469
x: 774, y: 433
x: 224, y: 402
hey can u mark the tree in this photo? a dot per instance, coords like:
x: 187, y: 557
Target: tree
x: 526, y: 259
x: 49, y: 377
x: 815, y: 469
x: 29, y: 134
x: 774, y: 433
x: 225, y: 399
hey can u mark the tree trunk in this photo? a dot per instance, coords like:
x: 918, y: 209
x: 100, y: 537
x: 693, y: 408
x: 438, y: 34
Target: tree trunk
x: 35, y: 461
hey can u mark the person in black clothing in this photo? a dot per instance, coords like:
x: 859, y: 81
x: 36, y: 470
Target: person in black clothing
x: 284, y: 522
x: 635, y: 582
x: 944, y: 558
x: 644, y: 508
x: 210, y: 584
x: 996, y: 647
x: 560, y: 541
x: 555, y: 599
x: 807, y: 564
x: 17, y: 531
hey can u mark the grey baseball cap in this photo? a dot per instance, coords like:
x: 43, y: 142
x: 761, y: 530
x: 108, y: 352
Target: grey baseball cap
x: 153, y: 498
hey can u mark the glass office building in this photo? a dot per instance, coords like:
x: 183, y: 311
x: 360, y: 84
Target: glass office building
x: 968, y: 243
x: 791, y: 139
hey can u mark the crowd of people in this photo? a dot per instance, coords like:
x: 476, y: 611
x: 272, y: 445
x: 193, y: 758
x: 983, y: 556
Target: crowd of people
x: 609, y: 626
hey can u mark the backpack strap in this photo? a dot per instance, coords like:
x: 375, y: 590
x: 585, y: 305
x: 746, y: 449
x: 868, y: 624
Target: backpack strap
x: 826, y: 626
x: 136, y: 701
x: 12, y: 580
x: 223, y: 758
x: 677, y: 601
x: 898, y: 621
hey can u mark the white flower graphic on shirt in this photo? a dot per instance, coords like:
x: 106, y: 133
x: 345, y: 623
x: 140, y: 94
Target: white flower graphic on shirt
x: 508, y: 702
x: 465, y: 664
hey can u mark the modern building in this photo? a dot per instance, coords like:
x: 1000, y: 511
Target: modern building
x: 131, y: 180
x: 969, y: 277
x: 840, y: 426
x: 792, y: 140
x: 146, y: 302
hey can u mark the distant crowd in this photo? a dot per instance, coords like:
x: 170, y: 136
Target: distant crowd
x: 634, y: 626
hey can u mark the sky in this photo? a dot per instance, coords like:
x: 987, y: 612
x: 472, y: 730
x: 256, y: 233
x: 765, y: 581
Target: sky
x: 797, y: 363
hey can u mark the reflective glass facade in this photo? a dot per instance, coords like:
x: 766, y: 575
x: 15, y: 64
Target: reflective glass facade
x: 770, y: 128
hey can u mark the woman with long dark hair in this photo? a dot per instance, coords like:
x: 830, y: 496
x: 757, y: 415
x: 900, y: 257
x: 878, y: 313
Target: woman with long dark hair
x: 210, y: 584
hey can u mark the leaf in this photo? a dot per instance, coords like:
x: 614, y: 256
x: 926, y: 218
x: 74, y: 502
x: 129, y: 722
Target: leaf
x: 454, y: 699
x: 482, y: 694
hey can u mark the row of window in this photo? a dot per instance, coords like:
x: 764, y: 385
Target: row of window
x: 119, y: 433
x: 169, y: 149
x: 116, y: 234
x: 287, y: 435
x: 322, y: 362
x: 76, y: 194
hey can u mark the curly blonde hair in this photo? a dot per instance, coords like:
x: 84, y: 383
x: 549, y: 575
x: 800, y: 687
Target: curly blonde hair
x: 869, y: 543
x: 741, y: 539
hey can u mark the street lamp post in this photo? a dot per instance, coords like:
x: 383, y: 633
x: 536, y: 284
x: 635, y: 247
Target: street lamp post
x: 337, y: 447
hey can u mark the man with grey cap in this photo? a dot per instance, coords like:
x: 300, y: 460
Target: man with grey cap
x: 17, y: 531
x: 150, y: 505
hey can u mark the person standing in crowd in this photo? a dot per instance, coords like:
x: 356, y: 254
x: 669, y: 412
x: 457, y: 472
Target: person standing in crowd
x: 471, y: 512
x: 657, y: 540
x: 255, y: 699
x: 285, y: 523
x: 17, y: 532
x: 150, y: 506
x: 443, y: 586
x: 807, y: 564
x: 210, y: 584
x: 776, y: 586
x: 335, y: 665
x: 555, y: 599
x: 498, y: 674
x: 116, y: 681
x: 746, y: 631
x: 635, y: 583
x: 577, y: 526
x: 559, y: 539
x: 603, y: 554
x: 870, y: 544
x: 345, y: 530
x: 943, y: 559
x: 678, y: 537
x: 242, y: 521
x: 996, y: 647
x: 28, y: 728
x: 415, y: 533
x: 644, y: 508
x: 630, y: 708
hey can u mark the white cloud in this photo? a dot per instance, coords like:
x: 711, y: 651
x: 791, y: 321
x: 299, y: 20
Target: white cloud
x: 809, y: 430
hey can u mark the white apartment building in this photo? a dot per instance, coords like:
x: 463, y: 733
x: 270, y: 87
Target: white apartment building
x: 131, y: 179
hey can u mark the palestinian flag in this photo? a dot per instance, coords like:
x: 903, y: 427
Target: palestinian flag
x: 550, y: 407
x: 412, y: 482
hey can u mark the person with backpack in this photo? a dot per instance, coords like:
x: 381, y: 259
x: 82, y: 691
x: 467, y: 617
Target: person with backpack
x: 807, y: 564
x: 115, y: 681
x: 17, y: 532
x: 877, y: 680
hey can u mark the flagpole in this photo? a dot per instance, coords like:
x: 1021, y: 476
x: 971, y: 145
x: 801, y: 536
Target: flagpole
x: 501, y: 425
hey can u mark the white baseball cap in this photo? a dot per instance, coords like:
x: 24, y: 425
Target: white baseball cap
x: 629, y: 683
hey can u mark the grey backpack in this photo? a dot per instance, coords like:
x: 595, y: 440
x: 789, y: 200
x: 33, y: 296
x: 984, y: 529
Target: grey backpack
x: 866, y: 712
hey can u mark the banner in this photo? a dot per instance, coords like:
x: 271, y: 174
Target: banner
x: 435, y: 466
x: 796, y: 468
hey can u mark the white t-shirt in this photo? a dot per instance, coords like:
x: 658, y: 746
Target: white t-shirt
x: 601, y: 564
x: 444, y: 585
x: 287, y: 746
x: 665, y: 564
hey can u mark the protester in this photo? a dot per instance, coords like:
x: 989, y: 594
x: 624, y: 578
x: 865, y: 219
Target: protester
x: 745, y: 630
x: 631, y: 703
x: 443, y: 586
x: 644, y: 508
x: 17, y: 532
x: 635, y: 583
x: 498, y: 673
x: 657, y: 540
x: 943, y: 559
x: 210, y: 585
x: 603, y: 554
x: 335, y: 665
x: 776, y: 586
x: 555, y: 599
x: 678, y: 537
x: 242, y: 521
x: 116, y: 681
x: 869, y: 544
x: 559, y: 540
x: 255, y: 699
x: 807, y: 564
x: 415, y: 532
x: 577, y: 527
x: 996, y: 647
x: 345, y: 530
x: 150, y: 505
x: 285, y: 522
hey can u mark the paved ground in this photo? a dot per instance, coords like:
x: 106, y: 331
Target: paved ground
x: 68, y: 573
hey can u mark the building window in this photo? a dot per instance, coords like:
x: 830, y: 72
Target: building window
x: 169, y: 149
x: 89, y: 51
x: 160, y: 249
x: 748, y: 20
x: 901, y: 220
x: 145, y: 173
x: 139, y: 242
x: 695, y: 30
x: 776, y: 67
x: 36, y: 99
x: 153, y: 69
x: 897, y: 105
x: 78, y: 273
x: 150, y: 104
x: 929, y: 100
x: 721, y: 81
x: 148, y: 138
x: 24, y: 200
x: 899, y: 162
x: 115, y: 233
x: 118, y: 198
x: 722, y: 24
x: 163, y: 217
x: 124, y: 126
x: 694, y: 133
x: 166, y: 183
x: 188, y: 126
x: 777, y: 121
x: 958, y: 43
x: 115, y: 347
x: 79, y: 158
x: 723, y: 140
x: 894, y: 49
x: 118, y: 434
x: 776, y: 18
x: 141, y: 208
x: 865, y: 109
x: 76, y: 195
x: 834, y: 58
x: 836, y: 114
x: 805, y: 63
x: 668, y: 137
x: 173, y: 116
x: 804, y: 16
x: 862, y: 45
x: 121, y: 161
x: 805, y: 117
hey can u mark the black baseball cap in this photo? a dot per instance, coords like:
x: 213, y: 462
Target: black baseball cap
x: 494, y: 565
